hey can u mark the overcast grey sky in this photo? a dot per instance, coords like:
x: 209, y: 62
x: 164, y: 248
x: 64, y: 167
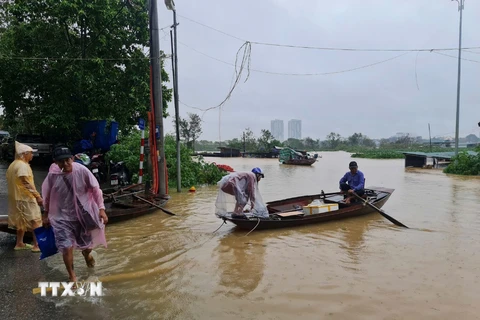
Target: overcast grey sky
x: 378, y: 101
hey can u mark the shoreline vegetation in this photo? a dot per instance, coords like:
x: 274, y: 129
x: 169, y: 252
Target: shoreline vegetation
x: 359, y: 145
x: 391, y: 152
x: 464, y: 164
x: 378, y: 154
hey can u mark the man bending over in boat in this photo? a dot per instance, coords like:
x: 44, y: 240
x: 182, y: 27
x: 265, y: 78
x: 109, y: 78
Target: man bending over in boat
x: 353, y: 182
x: 241, y: 188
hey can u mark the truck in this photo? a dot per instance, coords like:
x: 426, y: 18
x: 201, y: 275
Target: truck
x: 42, y: 145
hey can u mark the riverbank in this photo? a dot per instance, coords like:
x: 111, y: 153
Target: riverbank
x: 379, y: 154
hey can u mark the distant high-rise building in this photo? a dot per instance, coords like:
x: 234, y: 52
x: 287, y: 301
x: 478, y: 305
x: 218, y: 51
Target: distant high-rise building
x: 277, y: 129
x: 295, y: 129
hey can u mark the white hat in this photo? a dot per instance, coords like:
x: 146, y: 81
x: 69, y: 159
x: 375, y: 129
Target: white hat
x: 22, y: 148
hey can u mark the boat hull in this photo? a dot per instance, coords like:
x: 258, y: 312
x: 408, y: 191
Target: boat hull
x: 354, y: 210
x: 300, y: 162
x: 116, y: 211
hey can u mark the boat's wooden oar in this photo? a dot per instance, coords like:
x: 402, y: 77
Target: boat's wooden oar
x: 114, y: 198
x: 386, y: 216
x: 154, y: 204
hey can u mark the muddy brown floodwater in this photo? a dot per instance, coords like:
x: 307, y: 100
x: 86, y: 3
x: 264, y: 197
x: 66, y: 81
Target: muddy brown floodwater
x: 162, y: 267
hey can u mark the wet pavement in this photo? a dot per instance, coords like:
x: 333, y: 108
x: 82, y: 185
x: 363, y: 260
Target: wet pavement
x: 20, y: 272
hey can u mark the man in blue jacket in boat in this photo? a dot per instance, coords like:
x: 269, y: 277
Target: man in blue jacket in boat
x: 353, y: 182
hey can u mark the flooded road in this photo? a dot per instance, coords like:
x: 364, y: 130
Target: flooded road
x: 162, y: 267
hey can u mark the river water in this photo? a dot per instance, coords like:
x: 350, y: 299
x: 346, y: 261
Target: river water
x: 163, y: 267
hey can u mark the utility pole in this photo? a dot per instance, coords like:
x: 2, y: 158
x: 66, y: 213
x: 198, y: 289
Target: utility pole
x: 173, y: 43
x: 461, y: 4
x: 430, y: 135
x: 220, y: 125
x: 244, y: 142
x: 157, y: 95
x: 177, y: 116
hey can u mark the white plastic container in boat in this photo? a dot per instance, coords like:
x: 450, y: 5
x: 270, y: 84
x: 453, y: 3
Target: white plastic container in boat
x: 318, y: 206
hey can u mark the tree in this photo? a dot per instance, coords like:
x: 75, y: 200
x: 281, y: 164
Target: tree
x: 67, y: 61
x: 360, y: 140
x: 296, y: 144
x: 190, y: 129
x: 249, y: 140
x: 276, y: 143
x: 404, y: 141
x: 194, y: 171
x: 265, y: 140
x: 235, y: 143
x: 311, y: 144
x: 367, y: 142
x: 205, y: 145
x: 385, y: 143
x: 355, y: 139
x: 472, y: 138
x: 333, y: 140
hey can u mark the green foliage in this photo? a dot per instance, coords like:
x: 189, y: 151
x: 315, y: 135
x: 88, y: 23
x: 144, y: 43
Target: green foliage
x: 333, y: 141
x: 190, y: 129
x: 379, y: 154
x: 204, y: 145
x: 250, y: 140
x: 464, y: 164
x: 62, y: 62
x: 403, y: 142
x: 236, y: 143
x: 357, y: 141
x: 194, y: 171
x: 310, y: 144
x: 363, y: 147
x: 296, y: 144
x: 266, y: 141
x: 127, y: 150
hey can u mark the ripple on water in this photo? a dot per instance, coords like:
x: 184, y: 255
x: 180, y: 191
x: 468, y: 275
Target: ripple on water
x: 362, y: 268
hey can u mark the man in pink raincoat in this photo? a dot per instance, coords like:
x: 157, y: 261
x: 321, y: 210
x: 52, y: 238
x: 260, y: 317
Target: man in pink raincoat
x: 241, y: 188
x: 73, y: 203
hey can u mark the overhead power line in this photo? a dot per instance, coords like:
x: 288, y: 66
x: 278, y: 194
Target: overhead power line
x: 358, y: 49
x: 448, y: 55
x: 72, y: 59
x: 471, y: 51
x: 299, y: 74
x: 189, y: 106
x: 212, y: 28
x: 323, y: 48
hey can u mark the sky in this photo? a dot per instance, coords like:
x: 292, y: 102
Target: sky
x: 403, y: 94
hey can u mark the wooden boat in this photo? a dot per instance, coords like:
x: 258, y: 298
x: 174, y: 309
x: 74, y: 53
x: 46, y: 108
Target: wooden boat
x: 296, y: 157
x: 131, y: 208
x: 300, y: 162
x: 288, y: 213
x: 120, y: 205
